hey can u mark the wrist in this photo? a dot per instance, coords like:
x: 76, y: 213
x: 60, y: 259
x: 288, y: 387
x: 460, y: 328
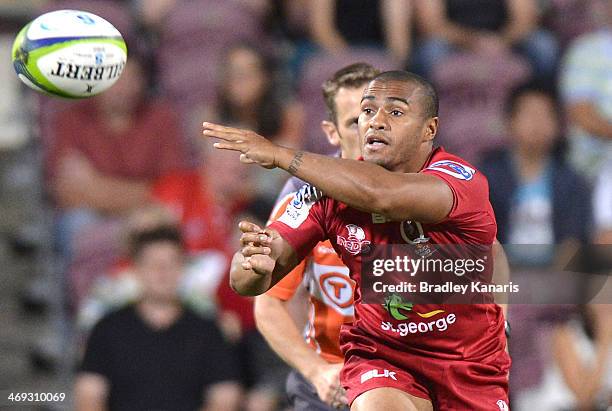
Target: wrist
x: 282, y: 157
x: 311, y: 368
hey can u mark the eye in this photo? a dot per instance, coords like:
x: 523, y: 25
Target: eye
x: 396, y: 113
x: 367, y: 110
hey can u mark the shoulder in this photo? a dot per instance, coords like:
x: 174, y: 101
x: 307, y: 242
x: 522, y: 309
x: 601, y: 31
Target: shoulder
x: 590, y: 41
x: 115, y: 320
x: 447, y: 164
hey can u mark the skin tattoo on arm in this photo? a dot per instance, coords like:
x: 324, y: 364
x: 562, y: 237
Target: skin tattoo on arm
x: 295, y: 164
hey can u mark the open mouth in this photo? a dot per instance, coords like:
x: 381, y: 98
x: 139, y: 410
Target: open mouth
x: 375, y: 141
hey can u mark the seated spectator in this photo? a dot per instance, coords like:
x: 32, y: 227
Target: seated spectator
x: 579, y: 376
x: 537, y: 197
x: 586, y: 75
x: 157, y: 354
x: 103, y: 153
x: 249, y: 96
x: 336, y: 25
x: 484, y: 26
x: 602, y: 205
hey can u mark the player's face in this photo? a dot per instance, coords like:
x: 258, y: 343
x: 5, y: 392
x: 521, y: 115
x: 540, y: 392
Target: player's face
x: 347, y: 113
x: 159, y: 267
x: 392, y: 127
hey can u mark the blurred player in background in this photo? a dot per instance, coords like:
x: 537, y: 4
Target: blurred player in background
x: 315, y: 383
x: 459, y: 361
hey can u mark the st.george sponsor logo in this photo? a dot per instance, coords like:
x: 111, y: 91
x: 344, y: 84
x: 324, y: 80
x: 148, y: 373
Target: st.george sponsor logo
x: 368, y: 375
x: 399, y: 310
x: 403, y: 329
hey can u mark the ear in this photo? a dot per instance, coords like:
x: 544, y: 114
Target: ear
x: 331, y: 132
x: 431, y: 128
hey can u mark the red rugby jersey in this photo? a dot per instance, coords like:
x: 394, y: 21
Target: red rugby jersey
x: 443, y: 331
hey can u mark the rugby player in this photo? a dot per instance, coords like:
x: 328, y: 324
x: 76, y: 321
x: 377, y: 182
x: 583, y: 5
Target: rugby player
x: 315, y: 383
x: 461, y: 364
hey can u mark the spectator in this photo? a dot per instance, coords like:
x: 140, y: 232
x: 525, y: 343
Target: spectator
x: 485, y: 26
x: 586, y: 75
x: 206, y: 199
x: 157, y: 354
x: 537, y: 197
x: 249, y: 96
x: 104, y: 153
x: 338, y: 24
x: 579, y: 376
x: 602, y: 205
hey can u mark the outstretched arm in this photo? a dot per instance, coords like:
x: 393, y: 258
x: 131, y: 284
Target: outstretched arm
x: 365, y: 186
x: 264, y: 258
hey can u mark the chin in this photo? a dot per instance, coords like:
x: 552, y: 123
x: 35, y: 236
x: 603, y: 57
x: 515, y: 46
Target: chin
x: 376, y: 160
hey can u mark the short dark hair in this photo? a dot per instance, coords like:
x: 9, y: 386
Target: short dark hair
x: 431, y: 103
x: 352, y: 76
x: 531, y: 87
x: 139, y: 239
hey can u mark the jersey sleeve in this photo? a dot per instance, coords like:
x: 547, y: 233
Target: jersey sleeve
x: 302, y: 224
x: 471, y: 210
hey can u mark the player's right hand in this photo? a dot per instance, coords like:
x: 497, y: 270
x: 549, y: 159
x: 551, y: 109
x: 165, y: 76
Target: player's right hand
x: 256, y: 247
x: 326, y: 380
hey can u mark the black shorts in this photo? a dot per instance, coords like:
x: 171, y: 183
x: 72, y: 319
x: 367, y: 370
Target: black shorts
x: 303, y: 395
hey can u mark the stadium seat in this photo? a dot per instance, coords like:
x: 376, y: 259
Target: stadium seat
x: 192, y: 40
x: 472, y: 90
x: 319, y: 68
x: 116, y: 12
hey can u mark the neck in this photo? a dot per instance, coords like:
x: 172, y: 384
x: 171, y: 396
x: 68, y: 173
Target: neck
x: 159, y: 313
x: 416, y: 163
x: 530, y: 162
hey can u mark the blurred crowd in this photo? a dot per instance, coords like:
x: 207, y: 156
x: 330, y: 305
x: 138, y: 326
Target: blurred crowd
x: 145, y: 214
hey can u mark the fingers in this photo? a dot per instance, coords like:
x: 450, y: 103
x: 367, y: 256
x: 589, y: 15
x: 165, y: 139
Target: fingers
x: 251, y: 250
x: 260, y: 264
x: 245, y: 160
x: 257, y: 239
x: 223, y: 132
x: 247, y: 226
x: 231, y: 146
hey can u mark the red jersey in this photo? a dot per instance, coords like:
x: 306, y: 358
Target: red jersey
x: 439, y: 331
x: 330, y: 289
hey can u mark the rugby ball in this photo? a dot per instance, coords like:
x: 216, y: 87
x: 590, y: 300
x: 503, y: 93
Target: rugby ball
x: 69, y: 53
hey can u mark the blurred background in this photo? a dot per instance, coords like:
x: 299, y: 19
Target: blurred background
x: 525, y: 94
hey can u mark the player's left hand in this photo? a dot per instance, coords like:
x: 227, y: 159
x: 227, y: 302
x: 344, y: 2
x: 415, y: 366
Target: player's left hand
x: 253, y: 148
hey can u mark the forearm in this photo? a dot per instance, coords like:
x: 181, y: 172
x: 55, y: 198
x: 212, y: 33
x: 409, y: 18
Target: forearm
x: 522, y: 21
x: 369, y: 187
x: 397, y: 15
x: 586, y: 116
x: 278, y: 328
x: 247, y: 282
x: 501, y: 274
x: 322, y: 27
x: 353, y: 182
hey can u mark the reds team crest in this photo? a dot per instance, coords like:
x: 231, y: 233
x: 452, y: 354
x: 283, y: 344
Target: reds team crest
x: 355, y: 243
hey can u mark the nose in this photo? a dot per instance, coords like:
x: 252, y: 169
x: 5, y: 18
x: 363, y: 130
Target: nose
x: 379, y: 121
